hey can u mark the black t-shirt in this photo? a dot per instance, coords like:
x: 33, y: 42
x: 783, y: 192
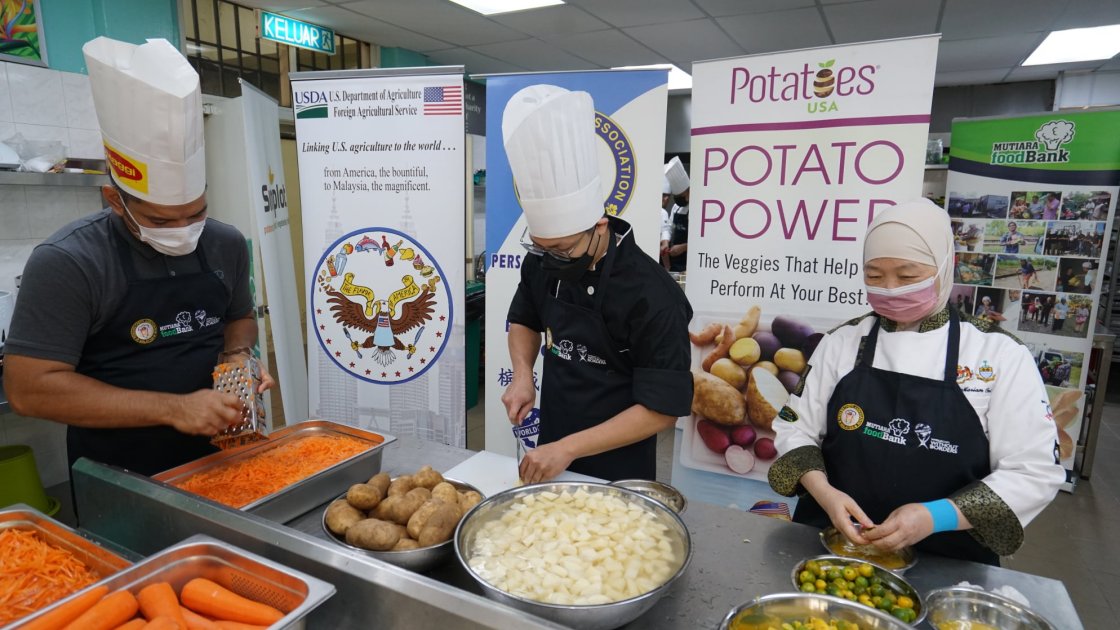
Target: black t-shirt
x: 74, y: 280
x: 645, y: 310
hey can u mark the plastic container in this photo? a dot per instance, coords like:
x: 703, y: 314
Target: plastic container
x: 21, y: 480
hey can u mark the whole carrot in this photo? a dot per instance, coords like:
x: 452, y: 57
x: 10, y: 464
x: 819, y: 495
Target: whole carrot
x: 209, y: 598
x: 68, y: 611
x: 112, y: 611
x: 135, y: 624
x: 160, y: 600
x: 196, y: 621
x: 163, y: 623
x: 235, y: 625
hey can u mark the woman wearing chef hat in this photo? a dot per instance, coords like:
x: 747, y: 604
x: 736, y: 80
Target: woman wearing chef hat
x: 122, y: 315
x: 616, y: 361
x: 923, y: 429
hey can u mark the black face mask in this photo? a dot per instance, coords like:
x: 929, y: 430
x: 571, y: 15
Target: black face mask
x: 569, y: 270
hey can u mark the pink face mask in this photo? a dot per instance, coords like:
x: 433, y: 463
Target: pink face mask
x: 907, y: 303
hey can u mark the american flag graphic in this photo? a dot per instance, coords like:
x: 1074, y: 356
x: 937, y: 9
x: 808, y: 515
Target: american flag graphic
x: 772, y: 509
x: 445, y: 100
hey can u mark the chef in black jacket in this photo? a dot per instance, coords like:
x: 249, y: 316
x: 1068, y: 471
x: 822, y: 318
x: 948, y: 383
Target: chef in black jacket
x: 678, y: 214
x: 616, y: 352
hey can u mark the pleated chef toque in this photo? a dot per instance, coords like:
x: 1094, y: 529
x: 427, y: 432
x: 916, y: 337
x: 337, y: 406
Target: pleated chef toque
x: 549, y: 135
x: 149, y: 107
x: 678, y: 178
x: 666, y: 188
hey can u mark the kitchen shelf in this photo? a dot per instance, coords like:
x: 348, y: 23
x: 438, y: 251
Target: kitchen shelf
x: 18, y: 178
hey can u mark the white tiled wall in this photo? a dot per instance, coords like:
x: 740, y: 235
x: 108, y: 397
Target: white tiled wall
x: 42, y: 104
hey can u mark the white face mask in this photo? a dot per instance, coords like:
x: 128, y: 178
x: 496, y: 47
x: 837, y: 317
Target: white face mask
x: 176, y: 241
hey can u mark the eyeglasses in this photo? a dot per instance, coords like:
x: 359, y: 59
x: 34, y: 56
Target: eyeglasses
x: 537, y: 250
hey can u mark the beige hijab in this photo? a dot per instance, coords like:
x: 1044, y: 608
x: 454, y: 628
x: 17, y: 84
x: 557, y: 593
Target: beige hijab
x: 918, y: 231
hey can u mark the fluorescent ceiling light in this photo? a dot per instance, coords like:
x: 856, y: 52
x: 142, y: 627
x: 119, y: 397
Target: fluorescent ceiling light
x: 1077, y: 44
x: 491, y: 7
x: 678, y: 79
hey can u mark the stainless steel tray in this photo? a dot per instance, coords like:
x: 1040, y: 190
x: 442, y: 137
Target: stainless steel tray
x: 249, y: 575
x: 100, y: 560
x: 307, y: 494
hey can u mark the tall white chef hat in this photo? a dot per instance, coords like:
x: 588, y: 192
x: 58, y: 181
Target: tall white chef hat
x: 666, y: 188
x: 678, y: 178
x: 149, y: 107
x: 549, y: 135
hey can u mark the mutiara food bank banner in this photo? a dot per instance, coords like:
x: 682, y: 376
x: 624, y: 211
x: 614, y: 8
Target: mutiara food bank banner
x: 1032, y: 199
x: 630, y: 110
x: 792, y: 155
x: 267, y: 194
x: 382, y: 180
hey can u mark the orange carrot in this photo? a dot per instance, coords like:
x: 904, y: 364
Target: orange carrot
x: 110, y: 612
x: 235, y: 625
x: 69, y: 611
x: 135, y: 624
x: 246, y: 480
x: 163, y: 623
x: 160, y: 600
x: 35, y: 574
x: 208, y: 598
x: 196, y: 621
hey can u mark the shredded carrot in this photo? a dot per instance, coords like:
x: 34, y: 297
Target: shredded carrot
x: 35, y: 573
x: 242, y: 482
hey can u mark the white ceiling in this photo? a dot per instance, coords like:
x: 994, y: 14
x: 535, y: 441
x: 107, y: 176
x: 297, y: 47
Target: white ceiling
x: 983, y: 41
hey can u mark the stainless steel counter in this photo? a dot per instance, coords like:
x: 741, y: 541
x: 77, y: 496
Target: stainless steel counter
x: 737, y: 556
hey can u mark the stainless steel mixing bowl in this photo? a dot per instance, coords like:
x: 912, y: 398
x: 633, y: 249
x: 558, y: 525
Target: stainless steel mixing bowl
x: 588, y: 617
x: 774, y: 610
x: 958, y: 606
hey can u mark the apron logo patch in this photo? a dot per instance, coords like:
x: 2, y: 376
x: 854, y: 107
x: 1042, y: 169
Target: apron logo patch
x: 787, y: 414
x: 584, y: 355
x: 144, y: 331
x: 923, y: 431
x: 895, y: 433
x: 986, y: 373
x: 964, y: 374
x: 182, y: 325
x: 850, y: 417
x: 562, y: 349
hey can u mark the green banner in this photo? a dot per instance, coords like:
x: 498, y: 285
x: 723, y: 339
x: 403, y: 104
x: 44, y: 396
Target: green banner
x: 1057, y: 141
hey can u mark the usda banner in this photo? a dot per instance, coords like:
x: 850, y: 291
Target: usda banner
x: 792, y: 155
x: 381, y: 171
x: 1032, y: 199
x: 630, y: 121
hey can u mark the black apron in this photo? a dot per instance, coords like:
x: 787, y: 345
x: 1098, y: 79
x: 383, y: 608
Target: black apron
x: 679, y: 236
x: 588, y: 379
x: 175, y: 364
x: 906, y: 457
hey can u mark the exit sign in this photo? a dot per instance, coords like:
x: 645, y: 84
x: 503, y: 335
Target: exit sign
x: 285, y: 30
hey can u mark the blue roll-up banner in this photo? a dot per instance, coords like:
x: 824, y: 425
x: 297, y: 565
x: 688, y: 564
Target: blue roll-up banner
x: 630, y: 110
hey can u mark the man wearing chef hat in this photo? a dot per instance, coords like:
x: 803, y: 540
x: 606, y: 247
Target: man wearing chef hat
x: 666, y: 221
x: 678, y: 214
x: 123, y: 314
x: 615, y: 325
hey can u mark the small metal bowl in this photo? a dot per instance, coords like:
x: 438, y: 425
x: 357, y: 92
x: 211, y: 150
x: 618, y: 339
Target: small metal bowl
x: 784, y: 607
x: 895, y: 582
x: 584, y: 617
x: 837, y: 544
x: 957, y: 606
x: 657, y: 491
x: 417, y: 560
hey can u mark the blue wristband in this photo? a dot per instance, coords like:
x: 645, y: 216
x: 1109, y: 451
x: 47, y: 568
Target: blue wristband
x: 944, y: 515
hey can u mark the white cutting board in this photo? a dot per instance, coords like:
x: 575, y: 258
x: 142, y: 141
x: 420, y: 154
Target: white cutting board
x: 492, y: 473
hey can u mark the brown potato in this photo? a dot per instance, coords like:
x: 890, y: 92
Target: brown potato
x: 1067, y: 398
x: 1065, y: 417
x: 427, y: 478
x: 745, y: 351
x: 381, y: 481
x: 445, y: 492
x: 468, y: 500
x: 402, y: 510
x: 730, y: 371
x: 765, y: 396
x: 749, y: 324
x: 363, y: 496
x: 440, y: 526
x: 341, y: 516
x: 717, y: 401
x: 420, y: 517
x: 1065, y: 447
x: 401, y: 485
x: 405, y: 544
x: 373, y: 534
x: 383, y: 509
